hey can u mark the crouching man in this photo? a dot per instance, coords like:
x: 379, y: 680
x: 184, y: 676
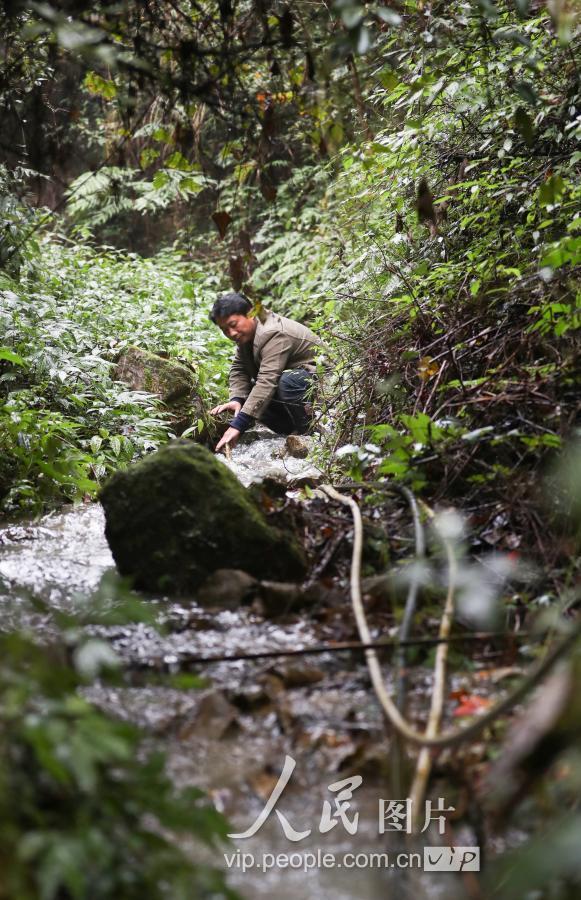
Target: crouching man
x: 272, y: 371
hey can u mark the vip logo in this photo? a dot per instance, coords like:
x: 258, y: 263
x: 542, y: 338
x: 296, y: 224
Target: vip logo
x: 451, y: 859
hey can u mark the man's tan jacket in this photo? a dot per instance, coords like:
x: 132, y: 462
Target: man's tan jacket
x: 279, y: 343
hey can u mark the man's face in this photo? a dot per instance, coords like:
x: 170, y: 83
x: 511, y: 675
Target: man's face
x: 238, y: 328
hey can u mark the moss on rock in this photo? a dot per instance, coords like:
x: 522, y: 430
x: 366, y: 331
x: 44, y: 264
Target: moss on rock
x: 180, y: 514
x: 174, y: 383
x: 144, y: 371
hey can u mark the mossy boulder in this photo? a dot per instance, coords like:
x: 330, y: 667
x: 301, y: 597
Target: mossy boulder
x: 141, y: 370
x: 174, y: 383
x: 180, y: 514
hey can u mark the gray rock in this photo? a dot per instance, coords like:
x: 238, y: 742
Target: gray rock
x: 226, y: 589
x: 174, y: 383
x: 297, y: 446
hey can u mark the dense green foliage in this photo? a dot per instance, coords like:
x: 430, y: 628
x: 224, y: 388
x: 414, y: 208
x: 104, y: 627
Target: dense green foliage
x: 84, y: 811
x: 65, y: 424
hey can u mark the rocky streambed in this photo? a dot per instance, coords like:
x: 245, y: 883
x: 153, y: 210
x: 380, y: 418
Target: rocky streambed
x: 232, y: 735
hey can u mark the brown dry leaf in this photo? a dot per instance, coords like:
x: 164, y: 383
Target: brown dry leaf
x: 427, y: 368
x: 332, y: 739
x: 425, y: 203
x: 221, y: 220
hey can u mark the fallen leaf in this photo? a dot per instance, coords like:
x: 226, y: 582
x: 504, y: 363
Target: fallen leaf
x: 471, y: 705
x: 427, y: 368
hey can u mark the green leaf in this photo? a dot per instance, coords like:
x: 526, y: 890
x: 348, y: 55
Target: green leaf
x: 10, y: 356
x: 551, y: 190
x: 148, y: 156
x: 389, y: 79
x: 162, y: 134
x: 525, y: 90
x: 487, y: 8
x: 178, y: 161
x: 102, y: 87
x: 160, y: 179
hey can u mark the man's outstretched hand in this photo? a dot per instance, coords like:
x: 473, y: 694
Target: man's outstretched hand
x: 232, y: 405
x: 231, y: 435
x: 228, y: 439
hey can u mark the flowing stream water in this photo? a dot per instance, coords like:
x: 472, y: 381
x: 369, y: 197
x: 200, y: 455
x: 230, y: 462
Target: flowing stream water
x: 232, y: 736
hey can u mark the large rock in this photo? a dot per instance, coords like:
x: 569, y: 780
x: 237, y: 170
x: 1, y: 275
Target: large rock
x: 174, y: 383
x: 180, y: 514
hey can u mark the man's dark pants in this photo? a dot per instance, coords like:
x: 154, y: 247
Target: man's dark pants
x: 289, y: 411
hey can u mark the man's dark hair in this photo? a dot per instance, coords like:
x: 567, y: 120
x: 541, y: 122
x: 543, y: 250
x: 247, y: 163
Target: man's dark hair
x: 230, y: 305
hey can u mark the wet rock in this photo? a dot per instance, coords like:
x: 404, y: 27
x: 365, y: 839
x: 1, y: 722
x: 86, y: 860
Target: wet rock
x: 179, y: 515
x: 227, y: 589
x: 267, y: 492
x: 295, y: 676
x: 279, y: 598
x: 296, y: 446
x: 253, y: 697
x: 174, y: 383
x: 258, y: 433
x: 213, y: 717
x: 311, y: 479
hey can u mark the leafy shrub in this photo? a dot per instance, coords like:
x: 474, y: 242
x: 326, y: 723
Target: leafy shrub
x: 64, y: 423
x: 84, y: 813
x: 18, y: 248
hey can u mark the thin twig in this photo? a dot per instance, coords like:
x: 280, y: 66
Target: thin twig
x: 424, y: 761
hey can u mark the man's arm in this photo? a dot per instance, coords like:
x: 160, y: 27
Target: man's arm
x: 274, y: 357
